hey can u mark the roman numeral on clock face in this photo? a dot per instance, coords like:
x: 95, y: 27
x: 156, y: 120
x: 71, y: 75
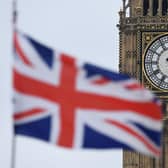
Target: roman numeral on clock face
x: 156, y: 71
x: 152, y: 62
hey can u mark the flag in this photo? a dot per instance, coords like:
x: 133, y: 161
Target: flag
x: 75, y: 104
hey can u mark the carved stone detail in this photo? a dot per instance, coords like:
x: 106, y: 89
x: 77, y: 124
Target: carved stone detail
x: 138, y: 31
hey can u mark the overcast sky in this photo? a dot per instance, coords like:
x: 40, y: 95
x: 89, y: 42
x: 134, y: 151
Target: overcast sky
x: 84, y: 29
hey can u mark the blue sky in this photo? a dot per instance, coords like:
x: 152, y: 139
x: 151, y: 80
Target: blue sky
x: 85, y: 29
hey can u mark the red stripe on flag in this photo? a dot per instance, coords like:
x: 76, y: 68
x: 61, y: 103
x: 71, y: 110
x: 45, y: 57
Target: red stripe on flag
x: 134, y: 86
x: 67, y: 107
x: 25, y: 114
x: 82, y: 99
x: 101, y: 81
x: 20, y: 52
x: 129, y: 130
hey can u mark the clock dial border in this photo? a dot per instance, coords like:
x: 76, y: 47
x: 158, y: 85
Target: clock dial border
x: 148, y: 46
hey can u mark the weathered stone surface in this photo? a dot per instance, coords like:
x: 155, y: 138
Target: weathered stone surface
x: 140, y: 23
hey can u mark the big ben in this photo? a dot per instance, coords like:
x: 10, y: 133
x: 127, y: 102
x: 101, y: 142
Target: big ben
x: 143, y: 32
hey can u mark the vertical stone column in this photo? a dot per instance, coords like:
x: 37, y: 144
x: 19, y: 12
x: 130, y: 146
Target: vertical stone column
x: 140, y: 3
x: 159, y: 11
x: 139, y: 8
x: 150, y: 10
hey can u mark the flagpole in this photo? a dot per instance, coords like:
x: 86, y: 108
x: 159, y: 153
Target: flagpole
x: 15, y: 13
x: 14, y: 22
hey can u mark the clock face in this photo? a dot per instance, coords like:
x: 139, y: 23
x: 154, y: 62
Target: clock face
x: 156, y: 62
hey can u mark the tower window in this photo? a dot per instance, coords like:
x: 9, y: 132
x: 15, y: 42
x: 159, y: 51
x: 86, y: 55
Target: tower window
x: 145, y: 7
x: 155, y: 7
x: 164, y: 5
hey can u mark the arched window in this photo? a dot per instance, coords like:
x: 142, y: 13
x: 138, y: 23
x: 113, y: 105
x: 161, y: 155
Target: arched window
x: 145, y: 7
x: 164, y: 7
x: 155, y: 7
x: 127, y: 11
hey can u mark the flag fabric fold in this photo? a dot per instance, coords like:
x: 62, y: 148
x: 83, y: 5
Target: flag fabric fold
x: 79, y: 105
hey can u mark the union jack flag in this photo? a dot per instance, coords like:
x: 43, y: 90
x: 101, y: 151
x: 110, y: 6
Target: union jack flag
x: 78, y: 105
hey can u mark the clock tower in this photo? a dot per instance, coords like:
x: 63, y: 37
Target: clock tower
x: 143, y: 31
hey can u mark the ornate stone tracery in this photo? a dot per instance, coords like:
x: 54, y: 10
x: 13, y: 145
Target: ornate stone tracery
x: 147, y: 7
x: 141, y: 21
